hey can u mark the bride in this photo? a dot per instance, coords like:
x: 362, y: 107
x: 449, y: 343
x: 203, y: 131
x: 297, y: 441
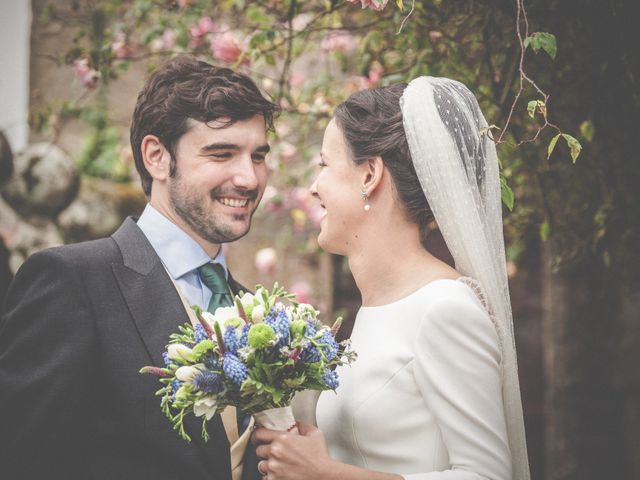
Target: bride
x: 434, y: 393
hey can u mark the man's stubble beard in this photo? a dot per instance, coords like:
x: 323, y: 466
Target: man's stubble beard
x: 190, y: 207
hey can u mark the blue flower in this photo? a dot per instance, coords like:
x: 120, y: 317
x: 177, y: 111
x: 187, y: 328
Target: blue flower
x: 279, y: 321
x: 208, y: 382
x: 175, y: 385
x: 330, y: 379
x: 211, y: 362
x: 329, y: 345
x: 230, y: 337
x: 244, y: 337
x: 234, y: 368
x: 311, y: 329
x: 199, y: 333
x: 310, y: 354
x: 166, y: 359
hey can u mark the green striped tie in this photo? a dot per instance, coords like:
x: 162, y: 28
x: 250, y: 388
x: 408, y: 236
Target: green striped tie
x: 212, y: 275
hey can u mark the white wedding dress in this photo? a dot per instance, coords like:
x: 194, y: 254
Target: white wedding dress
x: 424, y: 397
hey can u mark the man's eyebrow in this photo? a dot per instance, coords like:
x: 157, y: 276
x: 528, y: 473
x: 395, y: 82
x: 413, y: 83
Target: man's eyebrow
x: 232, y: 146
x: 220, y: 146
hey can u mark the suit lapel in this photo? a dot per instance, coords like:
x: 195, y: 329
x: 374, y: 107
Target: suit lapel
x: 157, y: 310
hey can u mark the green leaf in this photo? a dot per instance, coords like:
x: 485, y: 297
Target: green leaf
x: 531, y: 108
x: 256, y: 14
x: 506, y: 193
x: 552, y: 145
x: 373, y: 39
x: 542, y: 40
x: 124, y: 65
x: 587, y: 130
x: 574, y: 146
x: 400, y: 4
x: 544, y: 230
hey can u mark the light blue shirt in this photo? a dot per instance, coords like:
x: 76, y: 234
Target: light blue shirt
x: 180, y: 254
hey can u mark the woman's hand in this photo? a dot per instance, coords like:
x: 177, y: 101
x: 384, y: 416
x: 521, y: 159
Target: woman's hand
x: 294, y: 457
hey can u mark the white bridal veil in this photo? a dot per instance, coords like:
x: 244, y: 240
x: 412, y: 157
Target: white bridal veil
x: 458, y: 171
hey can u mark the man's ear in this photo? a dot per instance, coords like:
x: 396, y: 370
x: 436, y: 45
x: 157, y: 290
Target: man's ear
x: 373, y: 171
x: 156, y: 157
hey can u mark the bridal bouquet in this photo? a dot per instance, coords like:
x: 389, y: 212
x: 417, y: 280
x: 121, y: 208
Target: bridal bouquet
x: 254, y: 355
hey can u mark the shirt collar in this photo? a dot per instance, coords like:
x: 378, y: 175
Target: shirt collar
x: 179, y: 253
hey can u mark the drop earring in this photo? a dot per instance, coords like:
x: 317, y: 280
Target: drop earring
x: 367, y: 207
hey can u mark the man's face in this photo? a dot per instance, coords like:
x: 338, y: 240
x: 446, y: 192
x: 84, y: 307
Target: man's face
x: 220, y: 177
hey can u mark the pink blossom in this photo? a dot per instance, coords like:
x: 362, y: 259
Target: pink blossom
x: 376, y: 5
x: 297, y: 79
x: 302, y: 291
x: 372, y: 79
x: 184, y: 3
x: 119, y: 47
x: 206, y: 25
x: 165, y: 42
x: 338, y: 41
x: 88, y: 76
x: 226, y: 48
x: 198, y: 31
x: 265, y: 260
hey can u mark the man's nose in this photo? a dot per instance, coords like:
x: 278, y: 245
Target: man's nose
x: 245, y: 175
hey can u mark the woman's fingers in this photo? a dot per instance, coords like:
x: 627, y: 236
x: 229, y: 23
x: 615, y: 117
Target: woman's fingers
x: 262, y: 451
x: 264, y: 435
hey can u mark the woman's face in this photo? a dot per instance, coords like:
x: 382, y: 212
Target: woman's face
x: 338, y: 186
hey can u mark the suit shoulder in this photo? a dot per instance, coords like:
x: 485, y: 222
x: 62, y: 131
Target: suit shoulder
x: 101, y: 251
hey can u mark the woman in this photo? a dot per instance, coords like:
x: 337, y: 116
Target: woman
x: 434, y: 393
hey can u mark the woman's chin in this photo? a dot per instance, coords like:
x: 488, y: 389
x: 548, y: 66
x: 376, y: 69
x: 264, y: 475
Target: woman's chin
x: 328, y: 246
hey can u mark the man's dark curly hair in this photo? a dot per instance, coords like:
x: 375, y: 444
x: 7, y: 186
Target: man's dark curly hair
x: 186, y: 88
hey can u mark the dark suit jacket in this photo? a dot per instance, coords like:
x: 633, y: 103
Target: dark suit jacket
x: 78, y: 323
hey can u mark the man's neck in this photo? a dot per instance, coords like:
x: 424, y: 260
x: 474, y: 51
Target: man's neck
x: 212, y: 249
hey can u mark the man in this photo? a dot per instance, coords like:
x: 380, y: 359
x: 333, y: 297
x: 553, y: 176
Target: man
x: 79, y: 321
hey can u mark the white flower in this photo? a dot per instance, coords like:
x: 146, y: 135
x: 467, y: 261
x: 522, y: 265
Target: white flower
x: 306, y: 309
x: 205, y: 406
x: 186, y: 373
x: 179, y: 352
x: 221, y: 315
x: 247, y: 299
x: 257, y: 314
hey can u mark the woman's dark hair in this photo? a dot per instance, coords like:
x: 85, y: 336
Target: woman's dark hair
x: 185, y: 88
x: 371, y: 122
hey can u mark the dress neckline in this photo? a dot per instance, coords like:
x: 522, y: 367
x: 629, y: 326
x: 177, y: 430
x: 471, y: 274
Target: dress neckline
x: 470, y: 282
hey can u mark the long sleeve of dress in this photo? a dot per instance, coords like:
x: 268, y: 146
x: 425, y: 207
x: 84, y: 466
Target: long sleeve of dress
x: 457, y: 370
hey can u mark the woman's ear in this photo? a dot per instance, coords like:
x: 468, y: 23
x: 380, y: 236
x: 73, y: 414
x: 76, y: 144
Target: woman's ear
x: 156, y: 157
x: 373, y: 173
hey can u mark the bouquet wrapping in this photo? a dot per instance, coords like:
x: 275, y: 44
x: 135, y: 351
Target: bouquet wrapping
x: 254, y: 355
x: 280, y: 418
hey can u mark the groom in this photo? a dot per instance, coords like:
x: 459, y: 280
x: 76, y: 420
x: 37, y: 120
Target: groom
x: 79, y: 321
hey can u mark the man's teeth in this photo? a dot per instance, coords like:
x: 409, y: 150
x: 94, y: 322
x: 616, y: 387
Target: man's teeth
x: 233, y: 202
